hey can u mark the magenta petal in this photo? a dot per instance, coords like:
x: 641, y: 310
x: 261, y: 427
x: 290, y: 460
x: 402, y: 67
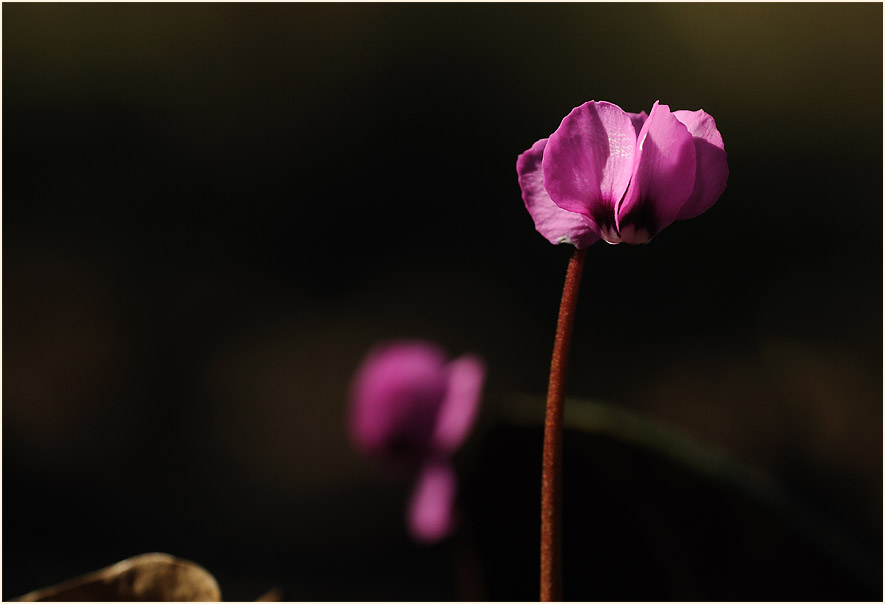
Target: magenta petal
x: 588, y: 162
x: 396, y: 397
x: 554, y: 223
x: 638, y: 120
x: 431, y: 514
x: 663, y: 177
x: 461, y: 403
x: 712, y: 166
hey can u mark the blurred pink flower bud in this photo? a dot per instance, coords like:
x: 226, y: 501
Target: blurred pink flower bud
x: 410, y: 407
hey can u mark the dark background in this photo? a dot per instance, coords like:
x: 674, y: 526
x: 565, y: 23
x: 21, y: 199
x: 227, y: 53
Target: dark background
x: 211, y: 212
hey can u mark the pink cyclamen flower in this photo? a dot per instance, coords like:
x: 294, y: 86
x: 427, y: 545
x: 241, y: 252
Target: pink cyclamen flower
x: 622, y: 177
x: 411, y: 407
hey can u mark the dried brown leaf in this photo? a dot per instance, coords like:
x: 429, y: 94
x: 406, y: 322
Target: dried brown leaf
x: 145, y: 578
x: 273, y: 595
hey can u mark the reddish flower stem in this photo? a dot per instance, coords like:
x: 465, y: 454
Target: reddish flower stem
x: 551, y: 477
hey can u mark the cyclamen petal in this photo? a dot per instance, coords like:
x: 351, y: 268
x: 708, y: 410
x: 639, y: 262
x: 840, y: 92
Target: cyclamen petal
x: 588, y: 161
x: 638, y: 120
x: 396, y: 398
x: 431, y: 511
x: 663, y: 177
x: 554, y: 223
x: 712, y: 166
x: 457, y: 412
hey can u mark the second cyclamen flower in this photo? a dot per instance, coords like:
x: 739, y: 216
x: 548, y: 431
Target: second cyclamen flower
x: 412, y: 408
x: 620, y: 176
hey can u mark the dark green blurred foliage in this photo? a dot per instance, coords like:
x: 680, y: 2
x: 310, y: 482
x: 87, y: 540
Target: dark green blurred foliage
x: 652, y: 514
x: 210, y: 212
x: 642, y: 528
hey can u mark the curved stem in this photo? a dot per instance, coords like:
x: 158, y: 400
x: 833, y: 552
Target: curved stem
x: 551, y: 477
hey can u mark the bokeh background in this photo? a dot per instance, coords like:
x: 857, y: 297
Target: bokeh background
x: 212, y: 211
